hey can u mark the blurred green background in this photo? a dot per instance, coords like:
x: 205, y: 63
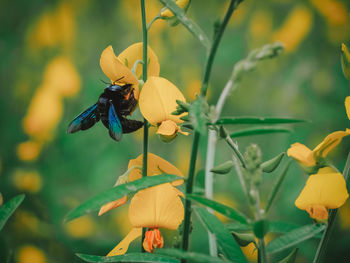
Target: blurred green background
x: 49, y: 72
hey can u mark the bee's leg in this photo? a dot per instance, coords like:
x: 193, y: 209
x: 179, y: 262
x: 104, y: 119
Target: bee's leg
x: 130, y: 125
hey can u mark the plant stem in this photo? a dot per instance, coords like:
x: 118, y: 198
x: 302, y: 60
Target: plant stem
x: 327, y: 233
x: 144, y: 77
x: 204, y: 88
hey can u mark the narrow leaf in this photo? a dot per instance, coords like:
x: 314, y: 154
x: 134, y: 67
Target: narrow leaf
x: 259, y: 131
x: 191, y: 256
x: 222, y: 209
x: 291, y: 257
x: 270, y: 165
x: 239, y: 227
x: 131, y: 257
x: 244, y: 239
x: 256, y: 120
x: 189, y: 24
x: 7, y: 209
x: 117, y: 192
x: 294, y: 237
x: 277, y: 186
x: 226, y: 243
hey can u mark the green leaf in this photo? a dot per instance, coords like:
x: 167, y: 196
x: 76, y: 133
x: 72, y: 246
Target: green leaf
x: 117, y: 192
x: 131, y: 257
x: 198, y: 114
x: 189, y: 24
x: 226, y: 242
x: 261, y: 228
x: 244, y: 239
x: 294, y: 237
x: 223, y: 168
x: 256, y: 120
x: 239, y: 227
x: 270, y: 165
x: 7, y: 209
x: 190, y: 256
x: 291, y: 257
x: 258, y: 131
x: 222, y: 209
x: 277, y: 186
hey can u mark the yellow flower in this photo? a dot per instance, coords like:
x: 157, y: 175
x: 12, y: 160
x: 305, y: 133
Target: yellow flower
x: 29, y: 254
x: 28, y: 151
x: 156, y: 207
x: 309, y: 158
x: 118, y: 69
x: 29, y: 181
x: 155, y: 166
x: 157, y: 101
x: 180, y: 3
x: 345, y: 61
x: 324, y: 190
x: 81, y: 227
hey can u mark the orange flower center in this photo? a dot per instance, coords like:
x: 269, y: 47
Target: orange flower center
x: 153, y: 239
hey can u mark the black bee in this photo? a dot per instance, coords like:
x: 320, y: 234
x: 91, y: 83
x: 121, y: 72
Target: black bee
x: 112, y: 107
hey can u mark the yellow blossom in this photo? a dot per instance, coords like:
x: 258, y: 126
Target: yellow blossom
x: 180, y: 3
x: 324, y: 190
x: 81, y: 227
x: 157, y: 101
x: 294, y: 29
x: 29, y: 181
x: 345, y: 61
x: 156, y: 207
x: 28, y: 151
x: 118, y: 69
x: 334, y: 11
x: 155, y: 166
x: 30, y: 254
x: 347, y: 106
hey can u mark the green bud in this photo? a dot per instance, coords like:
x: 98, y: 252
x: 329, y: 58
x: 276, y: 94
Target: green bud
x: 223, y: 168
x: 185, y: 118
x: 261, y: 228
x: 253, y: 157
x: 270, y: 165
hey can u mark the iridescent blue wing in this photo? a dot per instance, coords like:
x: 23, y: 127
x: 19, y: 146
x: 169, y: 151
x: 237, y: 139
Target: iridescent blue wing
x: 84, y: 120
x: 115, y: 127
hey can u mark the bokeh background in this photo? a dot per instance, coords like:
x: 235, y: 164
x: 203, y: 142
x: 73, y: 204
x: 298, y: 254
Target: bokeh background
x: 49, y: 72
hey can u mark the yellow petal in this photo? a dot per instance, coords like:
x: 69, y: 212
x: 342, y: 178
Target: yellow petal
x: 323, y: 189
x: 155, y: 166
x: 114, y: 69
x: 167, y: 128
x: 329, y: 143
x: 158, y: 100
x: 111, y: 205
x: 347, y: 106
x: 318, y: 212
x: 123, y: 246
x: 157, y: 207
x: 345, y: 61
x: 133, y: 53
x: 302, y: 154
x: 180, y: 3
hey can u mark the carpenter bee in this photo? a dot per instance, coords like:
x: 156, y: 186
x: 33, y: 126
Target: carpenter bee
x: 112, y: 107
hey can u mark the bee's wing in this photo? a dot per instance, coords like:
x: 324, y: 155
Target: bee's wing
x: 84, y: 120
x: 115, y: 127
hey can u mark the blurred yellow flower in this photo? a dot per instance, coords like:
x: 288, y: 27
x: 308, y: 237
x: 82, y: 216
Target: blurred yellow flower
x: 347, y: 106
x: 345, y: 61
x: 156, y: 207
x: 180, y: 3
x: 157, y: 101
x: 28, y: 151
x: 81, y: 227
x: 155, y: 166
x: 295, y: 28
x: 334, y: 11
x: 324, y: 190
x: 31, y: 254
x: 261, y: 25
x: 29, y: 181
x: 1, y: 200
x: 118, y: 69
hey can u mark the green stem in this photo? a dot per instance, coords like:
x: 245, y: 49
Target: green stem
x: 152, y: 21
x: 261, y: 250
x: 195, y: 144
x: 144, y: 77
x: 331, y: 219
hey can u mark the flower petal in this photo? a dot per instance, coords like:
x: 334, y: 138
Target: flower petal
x: 135, y: 52
x: 153, y: 239
x: 302, y: 154
x: 323, y: 189
x: 155, y: 166
x: 157, y: 207
x: 347, y: 106
x: 111, y: 205
x: 114, y: 69
x: 123, y: 246
x: 180, y: 3
x: 329, y: 143
x: 158, y: 100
